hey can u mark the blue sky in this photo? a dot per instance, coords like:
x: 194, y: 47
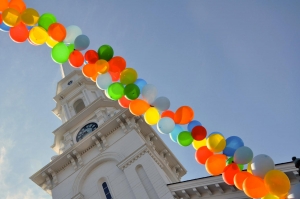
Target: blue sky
x: 236, y: 63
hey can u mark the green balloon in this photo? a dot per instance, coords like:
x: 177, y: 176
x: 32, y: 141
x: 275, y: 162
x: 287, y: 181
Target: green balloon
x: 60, y: 53
x: 46, y: 20
x: 105, y: 52
x: 71, y: 48
x: 230, y: 160
x: 185, y: 138
x: 132, y: 91
x: 116, y: 90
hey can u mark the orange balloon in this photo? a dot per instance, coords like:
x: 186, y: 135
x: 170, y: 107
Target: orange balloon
x: 3, y: 5
x: 19, y: 5
x: 124, y: 102
x: 138, y: 107
x: 184, y: 115
x: 168, y: 113
x: 229, y: 172
x: 94, y: 78
x: 202, y: 154
x: 89, y: 70
x: 114, y: 76
x: 215, y: 164
x: 57, y: 32
x: 239, y: 179
x: 76, y: 59
x: 277, y: 182
x: 11, y: 17
x: 117, y: 64
x: 254, y: 187
x: 102, y: 66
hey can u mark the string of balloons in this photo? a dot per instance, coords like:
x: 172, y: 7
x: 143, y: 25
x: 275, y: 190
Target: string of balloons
x: 220, y: 155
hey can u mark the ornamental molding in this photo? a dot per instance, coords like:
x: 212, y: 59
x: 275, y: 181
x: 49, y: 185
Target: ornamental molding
x: 136, y: 155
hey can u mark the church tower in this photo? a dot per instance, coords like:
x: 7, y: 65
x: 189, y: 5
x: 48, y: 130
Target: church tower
x: 103, y: 151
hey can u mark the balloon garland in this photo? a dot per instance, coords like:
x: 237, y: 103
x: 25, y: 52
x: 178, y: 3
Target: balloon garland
x: 219, y: 155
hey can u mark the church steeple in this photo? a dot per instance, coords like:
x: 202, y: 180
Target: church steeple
x: 66, y: 69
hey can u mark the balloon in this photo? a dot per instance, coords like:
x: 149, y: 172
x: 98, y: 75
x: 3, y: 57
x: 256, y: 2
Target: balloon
x: 81, y: 42
x: 199, y: 133
x: 71, y: 48
x: 94, y: 78
x: 19, y: 5
x: 89, y: 70
x: 60, y: 53
x: 128, y: 76
x: 30, y: 17
x: 38, y: 35
x: 76, y: 59
x: 243, y: 155
x: 103, y: 81
x: 19, y: 33
x: 3, y: 5
x: 51, y: 43
x: 294, y: 192
x: 184, y: 115
x: 138, y: 107
x: 229, y: 172
x: 117, y: 64
x: 230, y: 161
x: 174, y: 134
x: 11, y: 17
x: 149, y: 93
x: 202, y: 154
x: 216, y: 143
x: 277, y: 182
x: 239, y: 179
x: 72, y: 33
x: 215, y: 164
x: 57, y: 31
x: 161, y: 103
x: 116, y: 90
x: 91, y: 56
x: 140, y: 83
x: 262, y: 164
x: 102, y: 66
x: 152, y: 116
x: 46, y: 20
x: 107, y: 95
x: 106, y: 52
x: 132, y: 91
x: 192, y: 124
x: 197, y: 144
x: 249, y: 170
x: 232, y: 144
x: 270, y: 196
x: 4, y: 27
x: 168, y: 113
x: 185, y: 138
x: 115, y: 76
x: 254, y: 187
x: 123, y: 101
x: 165, y: 125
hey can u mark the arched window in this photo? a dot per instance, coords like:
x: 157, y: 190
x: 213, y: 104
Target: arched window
x: 106, y: 191
x: 78, y: 106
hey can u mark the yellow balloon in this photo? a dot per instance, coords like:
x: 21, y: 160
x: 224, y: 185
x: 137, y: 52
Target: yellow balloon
x: 152, y: 116
x: 30, y: 17
x: 216, y: 143
x: 270, y: 196
x: 249, y: 170
x: 277, y: 182
x: 38, y: 35
x: 102, y: 66
x: 11, y: 17
x: 128, y: 76
x: 197, y: 144
x: 51, y: 42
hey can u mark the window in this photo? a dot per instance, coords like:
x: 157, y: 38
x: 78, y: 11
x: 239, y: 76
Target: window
x: 106, y: 191
x: 78, y: 106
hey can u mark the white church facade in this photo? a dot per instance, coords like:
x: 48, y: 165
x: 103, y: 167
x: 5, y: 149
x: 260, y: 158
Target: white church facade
x: 104, y: 152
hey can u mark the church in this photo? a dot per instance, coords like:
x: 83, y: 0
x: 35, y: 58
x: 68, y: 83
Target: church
x: 97, y: 158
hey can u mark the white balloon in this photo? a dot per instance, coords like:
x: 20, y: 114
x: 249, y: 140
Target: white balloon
x: 165, y: 125
x: 149, y: 93
x: 294, y: 192
x: 72, y: 33
x: 103, y: 81
x: 261, y: 165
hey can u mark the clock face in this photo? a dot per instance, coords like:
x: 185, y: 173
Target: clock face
x: 86, y: 130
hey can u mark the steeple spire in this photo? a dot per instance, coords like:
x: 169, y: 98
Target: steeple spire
x: 66, y: 69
